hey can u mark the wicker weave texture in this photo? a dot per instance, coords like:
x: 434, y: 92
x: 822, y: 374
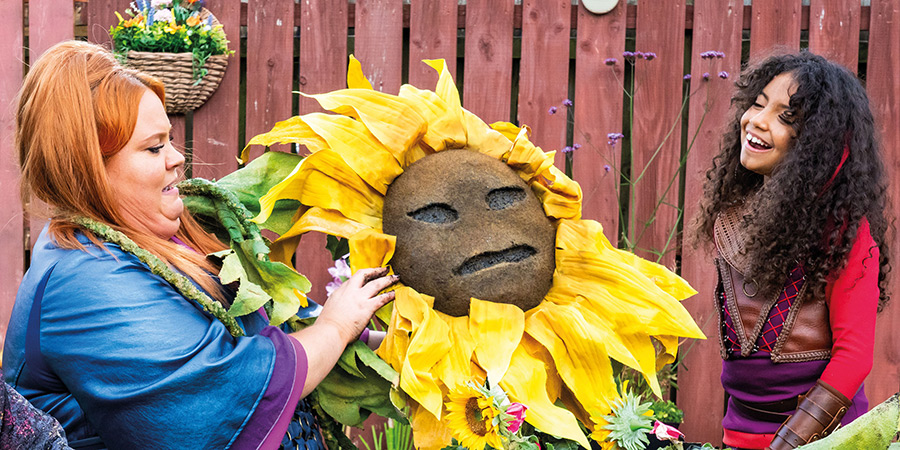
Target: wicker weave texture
x: 176, y: 72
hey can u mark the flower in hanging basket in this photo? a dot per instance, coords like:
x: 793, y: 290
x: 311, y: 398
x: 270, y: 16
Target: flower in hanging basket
x: 178, y: 41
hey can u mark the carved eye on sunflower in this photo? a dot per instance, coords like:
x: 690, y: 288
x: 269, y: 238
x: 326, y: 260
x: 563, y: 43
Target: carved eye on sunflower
x: 502, y: 280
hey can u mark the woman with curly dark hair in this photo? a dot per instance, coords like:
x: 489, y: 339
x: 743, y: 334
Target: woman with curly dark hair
x: 795, y: 204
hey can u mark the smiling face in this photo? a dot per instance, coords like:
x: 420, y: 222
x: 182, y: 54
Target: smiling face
x: 144, y: 172
x: 767, y: 134
x: 468, y: 226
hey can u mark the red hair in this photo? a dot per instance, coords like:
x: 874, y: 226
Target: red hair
x: 77, y: 107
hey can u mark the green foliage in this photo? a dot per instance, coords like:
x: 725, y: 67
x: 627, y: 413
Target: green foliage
x: 263, y: 283
x: 169, y: 26
x: 248, y: 184
x: 667, y: 412
x: 337, y: 246
x: 396, y: 436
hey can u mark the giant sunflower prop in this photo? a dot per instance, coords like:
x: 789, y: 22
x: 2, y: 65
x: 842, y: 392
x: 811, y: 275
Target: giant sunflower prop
x: 502, y: 280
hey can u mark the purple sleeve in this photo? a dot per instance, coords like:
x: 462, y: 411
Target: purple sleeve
x: 269, y: 421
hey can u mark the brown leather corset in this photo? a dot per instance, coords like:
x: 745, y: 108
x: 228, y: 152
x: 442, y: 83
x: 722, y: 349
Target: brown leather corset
x: 806, y: 334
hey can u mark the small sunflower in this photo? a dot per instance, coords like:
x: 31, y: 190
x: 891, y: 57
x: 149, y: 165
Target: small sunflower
x: 595, y: 303
x: 473, y: 418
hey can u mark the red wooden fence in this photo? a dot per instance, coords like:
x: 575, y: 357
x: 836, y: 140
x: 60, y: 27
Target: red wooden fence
x: 511, y: 62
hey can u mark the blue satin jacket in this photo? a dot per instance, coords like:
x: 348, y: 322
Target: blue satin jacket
x: 122, y: 360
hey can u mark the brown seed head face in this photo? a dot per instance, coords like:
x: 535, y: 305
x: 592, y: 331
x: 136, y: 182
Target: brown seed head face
x: 468, y: 226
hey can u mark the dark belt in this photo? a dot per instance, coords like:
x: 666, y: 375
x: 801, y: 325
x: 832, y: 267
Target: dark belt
x: 776, y: 412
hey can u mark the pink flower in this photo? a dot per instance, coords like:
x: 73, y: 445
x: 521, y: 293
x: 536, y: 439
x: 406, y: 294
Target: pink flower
x: 340, y: 272
x: 664, y: 432
x: 517, y: 410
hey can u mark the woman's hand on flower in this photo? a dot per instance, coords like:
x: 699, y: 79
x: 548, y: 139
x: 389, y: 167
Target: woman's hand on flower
x: 350, y: 306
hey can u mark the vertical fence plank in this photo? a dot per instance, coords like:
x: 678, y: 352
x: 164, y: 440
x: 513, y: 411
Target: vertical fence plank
x: 178, y: 134
x: 544, y: 71
x: 488, y: 57
x: 49, y: 23
x: 323, y: 49
x: 600, y: 37
x: 834, y: 30
x: 270, y: 66
x: 215, y: 125
x: 432, y: 35
x: 12, y: 243
x: 774, y: 24
x: 323, y: 67
x: 379, y: 42
x: 717, y: 27
x: 101, y: 14
x: 656, y: 134
x: 883, y: 79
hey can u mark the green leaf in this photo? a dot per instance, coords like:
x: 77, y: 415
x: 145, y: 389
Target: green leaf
x: 250, y: 298
x: 277, y: 279
x: 347, y: 360
x: 337, y: 246
x: 350, y: 400
x: 231, y: 270
x: 256, y: 178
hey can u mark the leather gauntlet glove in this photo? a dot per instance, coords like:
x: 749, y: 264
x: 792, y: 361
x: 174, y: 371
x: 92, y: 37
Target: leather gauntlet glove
x: 818, y: 413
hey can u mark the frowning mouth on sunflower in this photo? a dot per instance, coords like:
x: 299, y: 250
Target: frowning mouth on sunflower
x: 501, y: 279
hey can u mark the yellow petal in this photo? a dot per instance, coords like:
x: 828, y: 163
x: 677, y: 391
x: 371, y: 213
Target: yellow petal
x: 355, y: 77
x: 323, y: 179
x: 525, y: 382
x: 430, y: 433
x: 445, y: 130
x: 369, y: 248
x: 326, y: 221
x: 484, y: 139
x: 573, y: 234
x: 455, y: 369
x: 527, y: 159
x: 358, y: 147
x: 393, y: 121
x: 427, y: 345
x: 560, y: 195
x: 669, y: 350
x: 509, y: 130
x: 446, y: 88
x: 588, y: 264
x: 282, y: 250
x: 290, y: 131
x: 497, y: 329
x: 581, y: 359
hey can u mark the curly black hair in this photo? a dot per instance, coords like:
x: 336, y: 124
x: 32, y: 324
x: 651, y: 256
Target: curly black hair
x: 796, y: 218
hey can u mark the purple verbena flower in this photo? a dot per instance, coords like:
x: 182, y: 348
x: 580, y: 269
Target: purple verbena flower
x: 611, y: 61
x: 687, y: 77
x: 705, y: 75
x: 629, y: 56
x: 638, y: 54
x: 606, y: 167
x: 649, y: 56
x: 552, y: 110
x: 567, y: 103
x: 576, y: 146
x: 613, y: 138
x: 720, y: 54
x: 723, y: 75
x: 567, y: 149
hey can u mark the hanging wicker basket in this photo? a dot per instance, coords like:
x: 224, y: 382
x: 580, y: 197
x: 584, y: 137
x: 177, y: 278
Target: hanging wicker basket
x: 176, y: 72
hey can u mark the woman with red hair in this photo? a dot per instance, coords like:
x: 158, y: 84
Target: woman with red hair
x: 113, y: 351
